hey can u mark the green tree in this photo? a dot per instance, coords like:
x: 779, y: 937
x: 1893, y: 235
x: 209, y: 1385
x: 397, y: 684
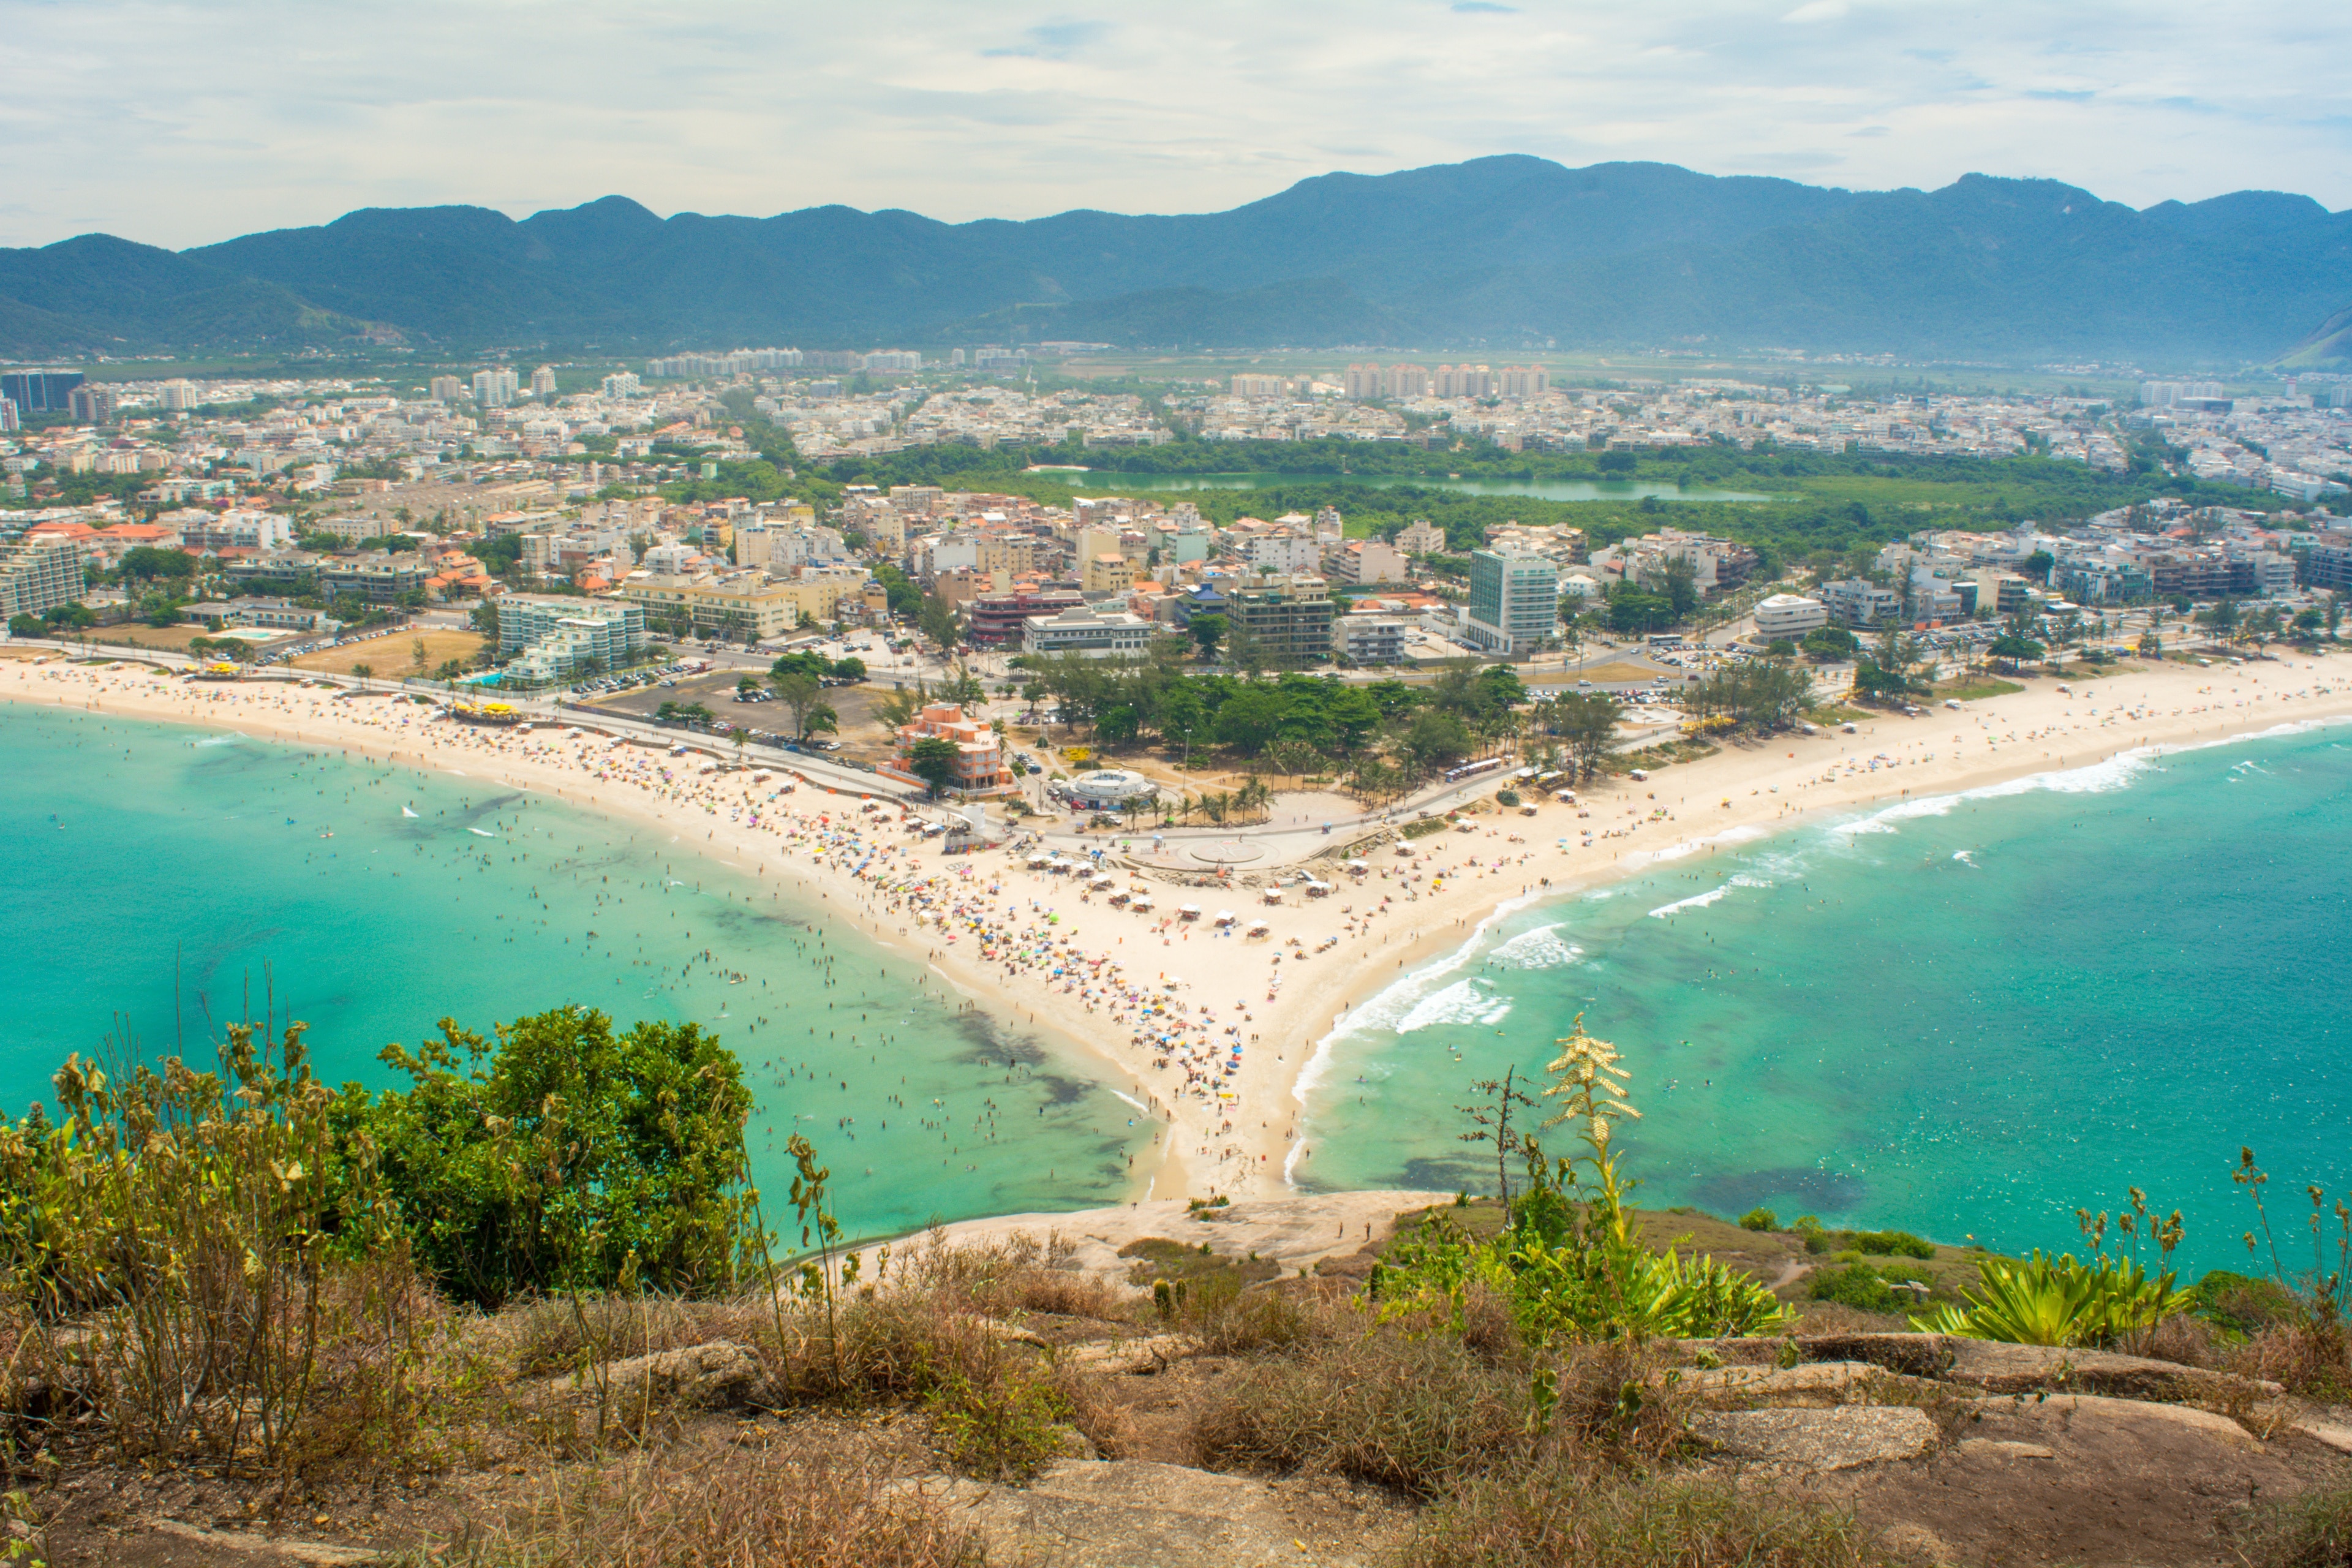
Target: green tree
x: 1208, y: 631
x: 933, y: 760
x: 1587, y: 724
x: 565, y: 1156
x: 800, y: 694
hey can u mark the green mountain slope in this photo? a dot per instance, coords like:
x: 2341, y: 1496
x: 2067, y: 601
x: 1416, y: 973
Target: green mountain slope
x: 1481, y: 256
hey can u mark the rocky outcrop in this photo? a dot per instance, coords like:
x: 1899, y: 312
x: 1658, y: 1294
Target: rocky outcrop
x: 1131, y: 1514
x: 1817, y: 1441
x: 710, y: 1375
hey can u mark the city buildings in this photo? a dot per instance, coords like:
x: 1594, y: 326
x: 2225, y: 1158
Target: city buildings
x: 980, y: 765
x: 547, y: 637
x: 1789, y: 616
x: 1513, y: 604
x: 745, y: 606
x: 1361, y: 561
x: 1854, y: 601
x: 495, y: 388
x: 36, y: 578
x: 1085, y: 630
x: 1372, y: 639
x: 1286, y: 620
x: 999, y: 620
x: 39, y: 391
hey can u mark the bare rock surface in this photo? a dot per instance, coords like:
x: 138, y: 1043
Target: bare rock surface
x: 715, y: 1373
x: 1813, y: 1383
x: 2022, y: 1369
x: 1136, y: 1514
x: 2076, y: 1478
x: 248, y: 1546
x: 1818, y: 1441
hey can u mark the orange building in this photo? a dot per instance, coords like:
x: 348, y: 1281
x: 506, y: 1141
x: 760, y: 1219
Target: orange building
x: 980, y: 755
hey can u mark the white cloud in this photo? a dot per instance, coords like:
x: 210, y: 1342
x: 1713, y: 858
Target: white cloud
x: 180, y: 124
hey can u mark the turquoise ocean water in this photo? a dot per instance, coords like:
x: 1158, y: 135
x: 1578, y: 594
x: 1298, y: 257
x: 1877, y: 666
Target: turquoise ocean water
x: 178, y: 879
x: 1963, y: 1016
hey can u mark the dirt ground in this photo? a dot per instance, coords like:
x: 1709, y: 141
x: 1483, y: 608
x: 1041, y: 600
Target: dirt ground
x: 138, y: 633
x: 395, y: 655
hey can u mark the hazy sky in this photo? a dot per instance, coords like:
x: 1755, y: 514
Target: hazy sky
x: 183, y: 123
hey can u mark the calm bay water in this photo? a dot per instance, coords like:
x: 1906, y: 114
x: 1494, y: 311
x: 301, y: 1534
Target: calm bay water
x: 1965, y: 1016
x: 181, y: 881
x: 1108, y: 483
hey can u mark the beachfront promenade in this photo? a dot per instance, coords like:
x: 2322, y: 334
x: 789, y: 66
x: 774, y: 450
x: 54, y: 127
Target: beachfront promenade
x: 1261, y: 848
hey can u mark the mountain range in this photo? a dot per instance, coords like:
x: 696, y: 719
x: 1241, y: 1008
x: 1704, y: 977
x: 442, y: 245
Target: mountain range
x: 1489, y: 255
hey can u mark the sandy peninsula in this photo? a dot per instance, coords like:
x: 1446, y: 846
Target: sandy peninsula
x: 1213, y: 1032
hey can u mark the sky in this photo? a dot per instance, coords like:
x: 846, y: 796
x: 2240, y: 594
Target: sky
x: 180, y: 124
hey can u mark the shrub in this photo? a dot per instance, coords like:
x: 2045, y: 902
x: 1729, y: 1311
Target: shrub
x: 1893, y: 1243
x: 2058, y: 1301
x: 565, y: 1157
x: 1566, y: 1510
x: 230, y: 1298
x: 2314, y: 1531
x: 1817, y: 1240
x: 1857, y: 1285
x: 1506, y: 797
x: 1759, y: 1219
x: 1396, y: 1409
x: 2241, y: 1301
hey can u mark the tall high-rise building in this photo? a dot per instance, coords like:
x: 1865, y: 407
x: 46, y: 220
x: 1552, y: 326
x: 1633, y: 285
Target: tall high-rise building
x: 91, y: 405
x: 542, y: 381
x: 447, y: 389
x: 1363, y: 383
x: 1465, y: 380
x: 178, y: 396
x: 1524, y: 380
x: 37, y: 577
x: 1514, y: 601
x: 497, y: 387
x: 39, y: 391
x: 623, y: 383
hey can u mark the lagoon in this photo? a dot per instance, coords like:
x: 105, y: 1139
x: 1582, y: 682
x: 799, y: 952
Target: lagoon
x: 1107, y: 482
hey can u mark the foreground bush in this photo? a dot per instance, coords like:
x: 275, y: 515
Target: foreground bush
x: 2059, y: 1301
x: 565, y: 1156
x: 1402, y: 1410
x: 1566, y: 1512
x: 181, y: 1266
x: 1570, y: 1257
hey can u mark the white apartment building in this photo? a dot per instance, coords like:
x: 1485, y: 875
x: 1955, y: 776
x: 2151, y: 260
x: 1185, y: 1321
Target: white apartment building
x: 1856, y: 603
x: 1085, y: 629
x: 1789, y: 617
x: 1364, y: 561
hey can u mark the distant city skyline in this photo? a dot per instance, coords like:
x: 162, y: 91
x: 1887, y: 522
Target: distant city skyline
x: 181, y: 126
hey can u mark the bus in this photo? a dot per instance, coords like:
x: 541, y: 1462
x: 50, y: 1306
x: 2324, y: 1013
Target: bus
x: 1472, y: 769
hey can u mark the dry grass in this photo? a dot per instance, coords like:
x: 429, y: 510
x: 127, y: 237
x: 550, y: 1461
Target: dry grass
x: 1565, y: 1511
x: 2310, y: 1359
x: 1411, y: 1411
x: 395, y: 656
x: 772, y: 1508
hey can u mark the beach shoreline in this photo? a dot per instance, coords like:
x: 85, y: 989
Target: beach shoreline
x: 1151, y: 1005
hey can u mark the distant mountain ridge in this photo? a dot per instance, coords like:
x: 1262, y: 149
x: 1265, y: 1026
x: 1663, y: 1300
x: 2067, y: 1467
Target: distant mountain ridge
x: 1485, y: 255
